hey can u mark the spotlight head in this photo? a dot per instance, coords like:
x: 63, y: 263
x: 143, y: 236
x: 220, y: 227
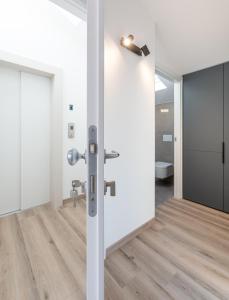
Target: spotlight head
x: 145, y: 50
x: 127, y: 41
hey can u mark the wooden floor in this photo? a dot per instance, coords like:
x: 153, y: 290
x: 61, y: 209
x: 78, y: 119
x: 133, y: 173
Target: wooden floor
x: 184, y: 255
x: 42, y: 254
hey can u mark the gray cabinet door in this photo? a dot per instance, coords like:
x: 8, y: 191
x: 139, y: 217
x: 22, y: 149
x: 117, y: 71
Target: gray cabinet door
x: 203, y: 137
x: 226, y: 137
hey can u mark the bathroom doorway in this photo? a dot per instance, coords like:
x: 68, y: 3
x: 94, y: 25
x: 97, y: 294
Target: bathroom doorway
x: 164, y: 138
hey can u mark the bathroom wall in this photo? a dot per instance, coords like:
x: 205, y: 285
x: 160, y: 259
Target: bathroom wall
x: 164, y: 151
x: 39, y: 30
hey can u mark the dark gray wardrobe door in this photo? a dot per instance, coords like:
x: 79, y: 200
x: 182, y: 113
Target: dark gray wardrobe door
x: 203, y: 137
x: 226, y: 137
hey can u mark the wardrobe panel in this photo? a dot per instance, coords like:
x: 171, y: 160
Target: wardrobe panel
x: 203, y: 110
x: 226, y: 137
x: 203, y: 137
x: 203, y: 178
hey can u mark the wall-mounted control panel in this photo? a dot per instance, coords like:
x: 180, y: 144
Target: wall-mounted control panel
x: 71, y: 130
x: 167, y: 138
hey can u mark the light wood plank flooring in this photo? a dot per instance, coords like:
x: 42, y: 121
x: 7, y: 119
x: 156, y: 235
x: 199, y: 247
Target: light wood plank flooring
x: 42, y: 254
x: 184, y: 255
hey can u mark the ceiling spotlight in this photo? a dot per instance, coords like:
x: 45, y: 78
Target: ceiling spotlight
x: 127, y: 42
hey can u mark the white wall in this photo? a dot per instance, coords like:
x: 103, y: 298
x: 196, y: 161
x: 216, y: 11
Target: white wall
x: 129, y: 119
x: 38, y: 30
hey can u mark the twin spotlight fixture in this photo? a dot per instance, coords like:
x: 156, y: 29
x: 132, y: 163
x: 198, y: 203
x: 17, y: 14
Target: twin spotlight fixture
x: 127, y: 42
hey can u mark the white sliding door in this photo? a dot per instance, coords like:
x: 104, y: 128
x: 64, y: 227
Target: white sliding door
x: 35, y: 139
x: 9, y: 140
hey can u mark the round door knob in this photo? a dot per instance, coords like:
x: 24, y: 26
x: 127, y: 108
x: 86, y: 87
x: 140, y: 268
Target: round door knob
x: 74, y: 156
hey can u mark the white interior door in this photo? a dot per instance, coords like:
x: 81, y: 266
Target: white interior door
x: 95, y: 119
x: 9, y: 140
x: 35, y: 139
x: 95, y: 109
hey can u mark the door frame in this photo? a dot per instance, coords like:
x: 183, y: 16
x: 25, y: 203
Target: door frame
x: 178, y: 130
x: 56, y: 118
x: 95, y: 116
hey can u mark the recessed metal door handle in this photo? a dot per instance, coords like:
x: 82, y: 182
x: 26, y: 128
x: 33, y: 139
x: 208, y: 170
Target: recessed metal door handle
x: 223, y: 152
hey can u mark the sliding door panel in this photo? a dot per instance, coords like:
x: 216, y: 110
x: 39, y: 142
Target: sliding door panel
x: 203, y: 137
x: 35, y: 116
x: 226, y: 137
x: 10, y: 140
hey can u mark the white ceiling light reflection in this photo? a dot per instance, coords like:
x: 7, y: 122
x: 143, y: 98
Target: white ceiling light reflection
x: 159, y: 85
x: 164, y: 110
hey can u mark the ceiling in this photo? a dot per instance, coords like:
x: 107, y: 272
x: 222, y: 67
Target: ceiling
x: 76, y: 7
x: 70, y: 17
x: 191, y: 34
